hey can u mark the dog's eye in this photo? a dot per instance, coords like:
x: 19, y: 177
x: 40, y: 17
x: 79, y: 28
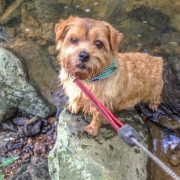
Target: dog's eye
x: 99, y: 44
x: 74, y: 40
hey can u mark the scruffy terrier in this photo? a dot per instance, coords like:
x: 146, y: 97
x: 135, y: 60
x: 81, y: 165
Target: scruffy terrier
x: 88, y: 50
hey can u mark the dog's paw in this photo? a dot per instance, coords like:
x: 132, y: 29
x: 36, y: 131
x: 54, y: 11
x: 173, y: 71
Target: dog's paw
x: 154, y: 106
x: 72, y: 110
x: 92, y: 130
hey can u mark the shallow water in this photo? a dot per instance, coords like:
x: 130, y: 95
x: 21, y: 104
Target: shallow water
x: 148, y: 26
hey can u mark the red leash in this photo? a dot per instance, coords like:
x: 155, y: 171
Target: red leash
x: 104, y: 111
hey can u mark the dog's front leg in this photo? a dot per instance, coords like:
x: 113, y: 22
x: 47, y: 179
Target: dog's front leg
x: 74, y: 107
x: 94, y: 126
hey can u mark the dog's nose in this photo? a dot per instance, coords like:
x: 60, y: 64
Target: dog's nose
x: 83, y: 56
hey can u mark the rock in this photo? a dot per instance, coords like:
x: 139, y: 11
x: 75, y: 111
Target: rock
x: 3, y: 139
x: 20, y: 121
x: 175, y: 21
x: 8, y: 126
x: 41, y: 70
x: 16, y: 91
x: 7, y: 111
x: 32, y: 126
x: 33, y: 172
x: 79, y: 156
x: 26, y: 157
x: 2, y: 6
x: 11, y: 146
x: 174, y: 160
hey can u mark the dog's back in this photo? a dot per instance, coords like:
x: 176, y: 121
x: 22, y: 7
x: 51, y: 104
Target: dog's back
x: 142, y: 78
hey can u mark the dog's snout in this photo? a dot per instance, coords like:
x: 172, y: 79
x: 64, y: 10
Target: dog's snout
x: 84, y: 56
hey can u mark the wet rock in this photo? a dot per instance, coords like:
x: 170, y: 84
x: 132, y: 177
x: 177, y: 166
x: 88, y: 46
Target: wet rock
x: 34, y: 159
x: 166, y: 144
x: 79, y: 156
x: 11, y: 146
x: 2, y: 6
x: 174, y: 161
x: 16, y: 91
x: 52, y: 50
x: 51, y: 11
x: 9, y: 11
x: 2, y: 139
x: 8, y: 126
x: 4, y: 35
x: 13, y: 135
x: 33, y: 172
x: 32, y: 126
x: 20, y: 121
x: 40, y: 67
x: 7, y: 111
x: 154, y: 18
x: 175, y: 21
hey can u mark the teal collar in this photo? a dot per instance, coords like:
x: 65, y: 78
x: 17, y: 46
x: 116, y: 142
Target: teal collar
x: 107, y: 72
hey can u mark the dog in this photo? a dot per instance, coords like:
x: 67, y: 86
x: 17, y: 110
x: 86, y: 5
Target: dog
x: 87, y: 48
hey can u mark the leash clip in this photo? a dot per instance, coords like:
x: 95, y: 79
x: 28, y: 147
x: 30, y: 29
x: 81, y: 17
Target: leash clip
x: 126, y: 132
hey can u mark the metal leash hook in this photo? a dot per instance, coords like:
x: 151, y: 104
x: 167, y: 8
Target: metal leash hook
x: 127, y: 133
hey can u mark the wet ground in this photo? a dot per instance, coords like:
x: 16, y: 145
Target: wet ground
x: 28, y: 139
x: 149, y: 27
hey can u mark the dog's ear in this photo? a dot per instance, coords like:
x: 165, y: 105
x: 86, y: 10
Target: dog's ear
x: 115, y: 37
x: 61, y: 30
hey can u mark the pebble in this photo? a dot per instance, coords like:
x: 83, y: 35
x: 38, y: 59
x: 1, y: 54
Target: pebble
x: 26, y: 157
x: 8, y: 126
x: 39, y: 148
x: 12, y: 139
x: 30, y: 140
x: 174, y: 160
x: 19, y: 121
x: 34, y: 159
x: 32, y: 127
x: 10, y: 146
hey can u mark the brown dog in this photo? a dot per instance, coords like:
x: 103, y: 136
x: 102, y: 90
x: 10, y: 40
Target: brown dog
x: 87, y: 48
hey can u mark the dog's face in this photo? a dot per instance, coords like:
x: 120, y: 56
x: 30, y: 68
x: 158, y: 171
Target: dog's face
x: 86, y: 46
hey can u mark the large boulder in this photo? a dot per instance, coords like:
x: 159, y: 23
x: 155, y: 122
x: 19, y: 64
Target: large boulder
x: 17, y: 92
x: 79, y: 156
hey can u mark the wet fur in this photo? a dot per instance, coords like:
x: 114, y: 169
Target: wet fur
x: 138, y: 76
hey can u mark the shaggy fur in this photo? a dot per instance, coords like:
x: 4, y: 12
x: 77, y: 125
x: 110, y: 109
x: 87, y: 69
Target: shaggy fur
x: 138, y: 76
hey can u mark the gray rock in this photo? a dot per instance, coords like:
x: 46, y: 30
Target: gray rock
x: 40, y: 67
x: 8, y: 126
x: 105, y: 157
x: 3, y: 139
x: 15, y: 91
x: 33, y: 172
x: 2, y: 6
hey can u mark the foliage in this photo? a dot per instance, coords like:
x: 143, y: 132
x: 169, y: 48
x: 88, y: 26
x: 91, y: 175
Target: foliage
x: 6, y: 163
